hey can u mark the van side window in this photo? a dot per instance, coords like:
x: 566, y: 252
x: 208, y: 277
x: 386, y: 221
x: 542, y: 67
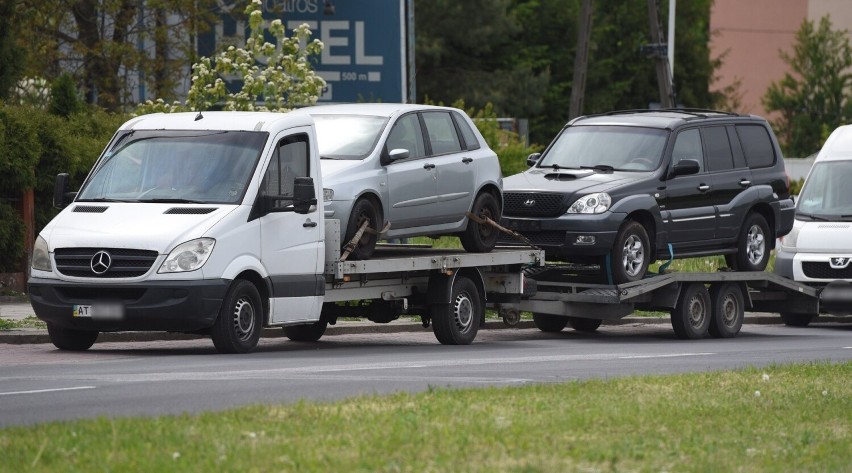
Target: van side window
x: 757, y: 146
x: 442, y: 132
x: 407, y: 134
x: 719, y: 157
x: 688, y: 146
x: 289, y: 161
x: 470, y: 141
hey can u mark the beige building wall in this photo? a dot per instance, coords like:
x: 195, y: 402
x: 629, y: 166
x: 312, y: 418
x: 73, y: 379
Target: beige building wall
x: 750, y: 33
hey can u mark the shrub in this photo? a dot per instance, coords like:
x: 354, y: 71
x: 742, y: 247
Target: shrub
x: 11, y: 239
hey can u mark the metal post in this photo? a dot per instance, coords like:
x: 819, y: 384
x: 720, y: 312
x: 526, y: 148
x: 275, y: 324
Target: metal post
x: 664, y: 78
x: 671, y: 36
x: 412, y: 69
x: 581, y: 61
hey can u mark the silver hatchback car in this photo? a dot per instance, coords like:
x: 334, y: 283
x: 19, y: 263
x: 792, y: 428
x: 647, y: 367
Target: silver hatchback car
x: 419, y: 168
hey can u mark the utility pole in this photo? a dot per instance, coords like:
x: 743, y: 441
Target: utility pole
x: 581, y: 61
x: 664, y: 77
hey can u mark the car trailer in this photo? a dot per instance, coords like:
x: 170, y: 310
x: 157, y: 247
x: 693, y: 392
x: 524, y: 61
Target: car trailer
x: 699, y: 303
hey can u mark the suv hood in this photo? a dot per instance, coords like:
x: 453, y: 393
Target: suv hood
x: 567, y: 181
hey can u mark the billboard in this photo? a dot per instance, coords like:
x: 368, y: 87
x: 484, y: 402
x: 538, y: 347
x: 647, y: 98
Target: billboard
x: 365, y: 58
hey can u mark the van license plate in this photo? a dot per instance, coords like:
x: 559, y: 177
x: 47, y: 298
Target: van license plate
x: 105, y: 311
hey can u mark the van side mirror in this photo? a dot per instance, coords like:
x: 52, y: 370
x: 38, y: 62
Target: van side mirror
x: 685, y: 167
x: 61, y: 196
x: 532, y: 159
x: 304, y: 195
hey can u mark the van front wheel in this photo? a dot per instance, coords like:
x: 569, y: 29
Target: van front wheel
x: 237, y: 328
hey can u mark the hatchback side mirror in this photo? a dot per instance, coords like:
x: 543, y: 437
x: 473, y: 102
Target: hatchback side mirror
x: 685, y: 167
x: 532, y: 159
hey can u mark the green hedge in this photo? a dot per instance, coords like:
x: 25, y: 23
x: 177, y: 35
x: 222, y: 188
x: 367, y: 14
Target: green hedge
x: 35, y: 146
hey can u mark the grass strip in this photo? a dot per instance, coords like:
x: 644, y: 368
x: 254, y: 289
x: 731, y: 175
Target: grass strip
x: 776, y: 419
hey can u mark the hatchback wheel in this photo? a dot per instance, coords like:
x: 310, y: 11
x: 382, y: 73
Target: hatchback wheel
x: 631, y: 253
x: 752, y: 246
x: 482, y: 238
x: 363, y: 210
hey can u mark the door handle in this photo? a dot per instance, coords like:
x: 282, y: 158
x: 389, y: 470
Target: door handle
x: 703, y: 187
x: 467, y: 160
x: 428, y: 166
x: 309, y: 224
x: 745, y: 183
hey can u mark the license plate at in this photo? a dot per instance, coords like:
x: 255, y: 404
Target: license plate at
x: 102, y: 311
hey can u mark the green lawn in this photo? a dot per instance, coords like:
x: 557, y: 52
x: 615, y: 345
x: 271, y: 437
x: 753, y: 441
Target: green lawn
x: 29, y: 322
x: 783, y: 418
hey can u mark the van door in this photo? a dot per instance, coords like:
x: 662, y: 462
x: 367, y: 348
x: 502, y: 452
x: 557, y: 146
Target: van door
x: 291, y: 243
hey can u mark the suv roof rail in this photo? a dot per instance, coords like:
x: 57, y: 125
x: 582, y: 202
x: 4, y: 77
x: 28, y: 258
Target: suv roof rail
x: 696, y: 112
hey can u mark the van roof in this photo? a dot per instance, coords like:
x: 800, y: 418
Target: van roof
x: 230, y: 121
x: 838, y: 146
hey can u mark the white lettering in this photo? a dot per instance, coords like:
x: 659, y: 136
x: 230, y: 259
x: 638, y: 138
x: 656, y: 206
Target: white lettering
x: 291, y: 6
x: 334, y: 41
x: 360, y: 57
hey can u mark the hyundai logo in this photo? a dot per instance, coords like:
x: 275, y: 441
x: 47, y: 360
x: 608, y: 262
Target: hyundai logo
x: 100, y: 262
x: 839, y: 262
x: 529, y: 202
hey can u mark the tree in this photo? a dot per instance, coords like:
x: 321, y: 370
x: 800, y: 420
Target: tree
x: 286, y: 80
x: 11, y: 53
x: 812, y: 98
x: 64, y: 101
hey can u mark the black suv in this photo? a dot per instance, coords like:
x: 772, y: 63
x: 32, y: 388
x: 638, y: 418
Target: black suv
x: 625, y: 188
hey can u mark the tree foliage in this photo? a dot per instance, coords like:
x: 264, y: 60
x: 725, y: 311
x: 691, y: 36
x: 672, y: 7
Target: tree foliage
x: 12, y: 54
x: 812, y: 97
x: 63, y: 97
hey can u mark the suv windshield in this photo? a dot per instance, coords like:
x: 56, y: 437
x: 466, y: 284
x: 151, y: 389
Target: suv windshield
x: 621, y: 148
x: 347, y: 136
x: 826, y: 195
x: 176, y: 166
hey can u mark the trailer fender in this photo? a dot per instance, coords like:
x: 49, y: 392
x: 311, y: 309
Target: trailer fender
x: 440, y: 289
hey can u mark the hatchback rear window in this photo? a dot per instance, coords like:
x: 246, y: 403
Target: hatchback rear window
x: 757, y: 145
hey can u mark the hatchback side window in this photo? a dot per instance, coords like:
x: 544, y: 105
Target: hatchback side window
x: 688, y: 146
x: 289, y: 162
x: 470, y: 141
x: 407, y: 134
x: 719, y: 157
x: 442, y: 132
x: 757, y: 146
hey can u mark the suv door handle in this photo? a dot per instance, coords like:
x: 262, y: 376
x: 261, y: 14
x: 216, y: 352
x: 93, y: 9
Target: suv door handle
x: 703, y: 187
x: 467, y: 160
x: 428, y: 166
x: 745, y: 183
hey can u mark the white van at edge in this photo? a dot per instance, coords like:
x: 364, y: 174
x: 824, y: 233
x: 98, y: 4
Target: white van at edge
x: 818, y: 251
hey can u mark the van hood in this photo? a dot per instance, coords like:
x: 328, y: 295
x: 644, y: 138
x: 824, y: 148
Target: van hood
x: 824, y: 237
x: 142, y: 226
x: 567, y: 181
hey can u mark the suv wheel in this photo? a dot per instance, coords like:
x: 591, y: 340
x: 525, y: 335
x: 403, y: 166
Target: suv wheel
x: 752, y: 246
x: 631, y: 253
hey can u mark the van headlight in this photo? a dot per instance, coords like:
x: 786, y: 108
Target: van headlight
x: 788, y: 241
x: 591, y: 204
x: 188, y: 256
x: 41, y: 255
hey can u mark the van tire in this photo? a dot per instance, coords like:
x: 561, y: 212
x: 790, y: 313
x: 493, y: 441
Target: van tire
x: 752, y: 245
x: 306, y: 332
x: 457, y: 323
x: 631, y: 253
x: 362, y: 210
x: 481, y: 238
x: 238, y: 326
x: 549, y: 323
x: 582, y: 324
x: 796, y: 320
x: 71, y: 340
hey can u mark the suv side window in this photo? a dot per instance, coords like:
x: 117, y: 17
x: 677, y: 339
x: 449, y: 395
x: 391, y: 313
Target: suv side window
x: 757, y: 146
x: 289, y: 162
x: 407, y: 134
x: 688, y: 146
x: 470, y: 141
x: 442, y: 132
x: 719, y: 157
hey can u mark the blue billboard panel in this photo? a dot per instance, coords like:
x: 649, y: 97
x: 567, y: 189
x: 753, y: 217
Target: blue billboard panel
x: 365, y: 53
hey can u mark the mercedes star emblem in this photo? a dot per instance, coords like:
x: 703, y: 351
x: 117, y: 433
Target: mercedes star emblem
x: 101, y: 262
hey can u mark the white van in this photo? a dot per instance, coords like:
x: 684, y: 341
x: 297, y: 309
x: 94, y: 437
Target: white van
x: 818, y: 250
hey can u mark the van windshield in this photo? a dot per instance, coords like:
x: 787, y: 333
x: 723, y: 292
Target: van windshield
x: 347, y: 136
x: 176, y: 166
x: 826, y: 195
x: 622, y: 148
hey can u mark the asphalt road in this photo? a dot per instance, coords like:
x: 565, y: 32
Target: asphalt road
x: 39, y: 383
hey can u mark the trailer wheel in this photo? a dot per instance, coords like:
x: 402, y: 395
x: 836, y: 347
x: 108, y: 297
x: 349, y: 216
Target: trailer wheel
x: 691, y: 316
x: 796, y: 320
x: 549, y: 323
x: 69, y: 339
x: 457, y: 323
x: 237, y: 328
x: 581, y: 324
x: 728, y: 310
x: 306, y: 332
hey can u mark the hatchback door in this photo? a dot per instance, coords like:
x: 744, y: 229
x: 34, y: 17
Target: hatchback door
x: 456, y: 172
x: 412, y: 181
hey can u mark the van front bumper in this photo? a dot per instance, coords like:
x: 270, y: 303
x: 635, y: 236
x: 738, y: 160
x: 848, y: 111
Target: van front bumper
x: 172, y: 306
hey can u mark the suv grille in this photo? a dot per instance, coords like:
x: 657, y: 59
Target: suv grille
x: 818, y: 270
x: 123, y: 263
x: 533, y: 204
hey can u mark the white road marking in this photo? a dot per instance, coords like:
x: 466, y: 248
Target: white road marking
x: 670, y: 355
x: 39, y: 391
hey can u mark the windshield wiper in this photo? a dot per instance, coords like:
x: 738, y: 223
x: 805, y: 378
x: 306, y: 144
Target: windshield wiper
x: 600, y: 167
x: 171, y: 201
x: 813, y: 217
x: 103, y: 199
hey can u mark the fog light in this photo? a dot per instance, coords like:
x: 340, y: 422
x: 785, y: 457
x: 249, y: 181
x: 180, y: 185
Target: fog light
x: 585, y: 240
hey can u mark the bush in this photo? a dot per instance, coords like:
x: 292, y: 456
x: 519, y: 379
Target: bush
x: 11, y: 239
x: 64, y: 100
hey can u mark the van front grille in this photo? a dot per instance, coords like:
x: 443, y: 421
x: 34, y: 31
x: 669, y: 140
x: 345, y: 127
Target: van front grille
x: 110, y: 262
x: 822, y: 270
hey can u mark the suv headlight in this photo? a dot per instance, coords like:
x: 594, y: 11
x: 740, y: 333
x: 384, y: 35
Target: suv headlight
x: 591, y: 204
x: 41, y: 255
x: 188, y: 256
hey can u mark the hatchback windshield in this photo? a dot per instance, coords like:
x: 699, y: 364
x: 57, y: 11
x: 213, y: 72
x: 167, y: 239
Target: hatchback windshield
x: 826, y: 194
x: 621, y: 148
x: 347, y: 136
x: 176, y: 166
